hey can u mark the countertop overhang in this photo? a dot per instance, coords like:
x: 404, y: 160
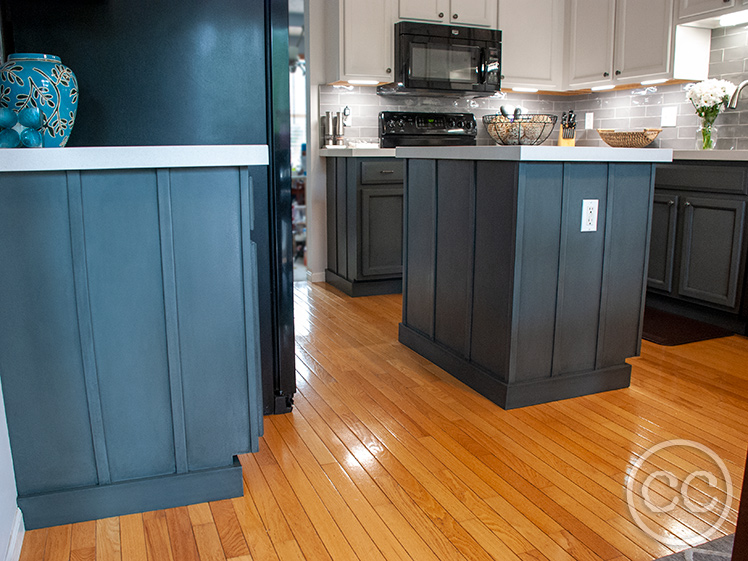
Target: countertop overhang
x: 537, y: 153
x: 132, y: 157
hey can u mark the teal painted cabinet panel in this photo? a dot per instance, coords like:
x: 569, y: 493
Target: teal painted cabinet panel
x: 40, y: 357
x: 128, y: 338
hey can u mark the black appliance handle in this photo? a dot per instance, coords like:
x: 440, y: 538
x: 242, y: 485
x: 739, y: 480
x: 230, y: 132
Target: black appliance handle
x: 482, y: 67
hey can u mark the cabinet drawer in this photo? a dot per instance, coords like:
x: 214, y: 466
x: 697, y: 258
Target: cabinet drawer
x: 390, y: 171
x: 709, y: 178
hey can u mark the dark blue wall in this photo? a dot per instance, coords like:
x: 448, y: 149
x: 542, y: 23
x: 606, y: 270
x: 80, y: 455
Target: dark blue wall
x: 155, y: 71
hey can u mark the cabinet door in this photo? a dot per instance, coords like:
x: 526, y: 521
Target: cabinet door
x: 689, y: 8
x: 424, y: 10
x: 643, y: 35
x: 367, y: 40
x: 532, y: 42
x: 711, y: 250
x: 591, y: 25
x: 662, y: 242
x: 381, y: 230
x: 473, y: 12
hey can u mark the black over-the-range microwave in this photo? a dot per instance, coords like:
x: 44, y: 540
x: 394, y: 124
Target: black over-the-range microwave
x: 447, y: 58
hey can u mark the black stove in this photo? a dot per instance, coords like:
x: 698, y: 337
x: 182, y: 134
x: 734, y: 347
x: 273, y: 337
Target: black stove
x: 406, y: 128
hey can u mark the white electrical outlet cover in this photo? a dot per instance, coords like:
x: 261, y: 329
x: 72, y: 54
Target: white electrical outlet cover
x: 669, y: 116
x: 589, y: 215
x: 589, y: 121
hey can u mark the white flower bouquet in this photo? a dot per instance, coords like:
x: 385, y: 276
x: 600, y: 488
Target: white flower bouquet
x: 709, y: 98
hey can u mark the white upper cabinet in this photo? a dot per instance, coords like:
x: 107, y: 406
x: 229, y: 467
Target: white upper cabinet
x: 532, y: 43
x: 425, y: 10
x: 479, y: 13
x: 644, y: 38
x: 361, y: 40
x: 619, y: 41
x: 690, y: 9
x: 591, y: 26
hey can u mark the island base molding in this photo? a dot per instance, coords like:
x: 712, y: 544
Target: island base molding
x: 364, y: 288
x: 129, y: 497
x: 522, y: 394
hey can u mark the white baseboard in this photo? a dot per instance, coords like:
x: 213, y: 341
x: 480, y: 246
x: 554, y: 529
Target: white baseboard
x: 315, y: 277
x: 16, y: 538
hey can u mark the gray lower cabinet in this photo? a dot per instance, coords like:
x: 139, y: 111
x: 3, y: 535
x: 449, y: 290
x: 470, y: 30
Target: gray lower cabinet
x: 365, y: 225
x: 698, y: 250
x: 128, y: 338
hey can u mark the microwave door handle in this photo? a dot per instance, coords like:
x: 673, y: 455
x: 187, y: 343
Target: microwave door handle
x: 482, y: 68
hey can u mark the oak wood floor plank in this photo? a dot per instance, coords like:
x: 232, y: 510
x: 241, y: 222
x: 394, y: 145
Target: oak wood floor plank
x: 573, y: 429
x: 58, y: 543
x: 83, y: 536
x: 448, y: 525
x: 156, y: 531
x: 296, y: 516
x: 200, y: 514
x: 181, y: 537
x: 132, y: 536
x: 208, y: 542
x: 108, y: 540
x: 229, y: 530
x: 425, y: 526
x: 34, y: 544
x: 256, y: 535
x: 363, y: 526
x: 257, y: 489
x: 349, y: 464
x: 335, y: 523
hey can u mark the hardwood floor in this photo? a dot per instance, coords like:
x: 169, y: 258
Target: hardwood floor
x: 387, y: 457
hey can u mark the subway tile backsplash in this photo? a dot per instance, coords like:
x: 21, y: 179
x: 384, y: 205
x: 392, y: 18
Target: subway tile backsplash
x: 624, y: 110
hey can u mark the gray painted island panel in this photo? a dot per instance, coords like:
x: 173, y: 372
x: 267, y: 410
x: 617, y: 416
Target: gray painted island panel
x: 488, y: 242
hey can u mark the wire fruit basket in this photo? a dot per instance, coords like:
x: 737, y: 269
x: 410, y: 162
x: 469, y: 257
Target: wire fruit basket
x: 524, y: 129
x: 628, y: 139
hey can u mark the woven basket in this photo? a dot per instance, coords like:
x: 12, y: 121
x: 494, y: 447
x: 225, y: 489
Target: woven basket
x: 628, y: 139
x: 524, y: 129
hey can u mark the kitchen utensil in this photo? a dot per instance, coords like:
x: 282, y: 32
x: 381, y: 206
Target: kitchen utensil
x: 628, y: 139
x: 526, y: 129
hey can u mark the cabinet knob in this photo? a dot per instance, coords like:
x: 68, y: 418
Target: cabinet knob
x: 454, y: 16
x: 686, y: 204
x: 670, y: 203
x: 388, y: 70
x: 441, y: 14
x: 606, y: 74
x: 618, y: 72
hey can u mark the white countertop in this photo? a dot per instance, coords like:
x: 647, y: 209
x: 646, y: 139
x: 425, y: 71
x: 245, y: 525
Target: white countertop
x: 715, y: 155
x: 357, y: 152
x: 132, y: 157
x: 537, y: 153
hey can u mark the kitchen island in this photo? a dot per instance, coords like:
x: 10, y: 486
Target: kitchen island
x: 364, y: 220
x: 503, y: 289
x: 128, y: 326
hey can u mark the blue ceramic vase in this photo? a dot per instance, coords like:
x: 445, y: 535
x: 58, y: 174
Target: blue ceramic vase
x: 41, y: 81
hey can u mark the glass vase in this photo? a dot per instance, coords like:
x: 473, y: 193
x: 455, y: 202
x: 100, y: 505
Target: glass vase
x: 706, y: 135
